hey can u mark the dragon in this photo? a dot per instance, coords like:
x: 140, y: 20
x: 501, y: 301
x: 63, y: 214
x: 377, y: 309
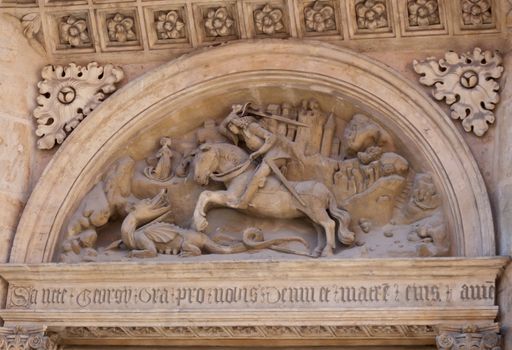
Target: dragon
x: 145, y: 234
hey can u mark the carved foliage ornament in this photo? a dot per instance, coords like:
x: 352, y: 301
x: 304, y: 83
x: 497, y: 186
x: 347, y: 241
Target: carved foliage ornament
x: 476, y: 12
x: 169, y: 25
x: 67, y: 94
x: 31, y: 24
x: 468, y: 83
x: 423, y: 12
x: 19, y: 338
x: 269, y: 20
x: 74, y: 31
x: 120, y: 28
x: 219, y: 22
x: 319, y: 17
x: 469, y: 337
x: 371, y: 14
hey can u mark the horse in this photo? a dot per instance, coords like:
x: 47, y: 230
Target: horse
x: 227, y: 163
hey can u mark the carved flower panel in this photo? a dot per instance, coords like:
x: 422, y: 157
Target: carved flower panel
x: 371, y: 14
x: 476, y: 14
x: 167, y: 27
x: 119, y: 29
x: 422, y: 17
x: 216, y: 22
x: 74, y: 31
x: 370, y: 18
x: 423, y: 13
x: 319, y: 18
x: 267, y: 19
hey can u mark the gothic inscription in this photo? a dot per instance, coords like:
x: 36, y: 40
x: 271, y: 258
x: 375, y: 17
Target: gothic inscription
x: 252, y: 295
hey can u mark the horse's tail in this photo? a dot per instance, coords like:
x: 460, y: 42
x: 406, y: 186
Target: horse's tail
x: 342, y: 217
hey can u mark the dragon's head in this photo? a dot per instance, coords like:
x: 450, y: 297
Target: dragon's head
x: 150, y: 208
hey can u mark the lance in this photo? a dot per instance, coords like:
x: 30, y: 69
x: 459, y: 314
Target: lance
x: 277, y: 117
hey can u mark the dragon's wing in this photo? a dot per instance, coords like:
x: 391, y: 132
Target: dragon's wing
x: 161, y: 232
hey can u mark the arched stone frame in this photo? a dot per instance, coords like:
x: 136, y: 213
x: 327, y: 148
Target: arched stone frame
x: 93, y: 145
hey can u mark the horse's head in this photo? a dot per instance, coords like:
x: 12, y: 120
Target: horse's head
x: 206, y: 161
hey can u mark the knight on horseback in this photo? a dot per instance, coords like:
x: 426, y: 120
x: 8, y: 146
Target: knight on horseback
x: 275, y: 150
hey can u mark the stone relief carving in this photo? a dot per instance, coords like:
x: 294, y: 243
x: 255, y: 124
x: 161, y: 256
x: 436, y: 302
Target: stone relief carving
x: 268, y: 20
x: 74, y: 31
x: 218, y: 22
x: 121, y: 28
x: 162, y: 166
x: 371, y: 14
x: 476, y: 12
x: 319, y: 17
x: 469, y: 337
x: 468, y: 84
x: 67, y: 94
x: 423, y: 12
x: 31, y: 24
x: 262, y: 169
x: 273, y: 332
x: 25, y: 338
x: 169, y: 25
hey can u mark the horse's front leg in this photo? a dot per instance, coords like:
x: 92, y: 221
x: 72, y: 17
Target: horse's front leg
x: 207, y: 198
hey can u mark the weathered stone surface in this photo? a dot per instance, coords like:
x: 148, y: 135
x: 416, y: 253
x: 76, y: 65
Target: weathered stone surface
x: 410, y: 32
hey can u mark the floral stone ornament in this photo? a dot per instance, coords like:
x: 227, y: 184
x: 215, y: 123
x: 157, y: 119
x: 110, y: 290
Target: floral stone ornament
x: 73, y: 31
x: 67, y: 94
x: 371, y: 14
x: 120, y: 28
x: 169, y: 25
x: 468, y: 83
x: 319, y: 17
x: 268, y: 20
x: 218, y: 22
x: 476, y: 12
x: 423, y: 12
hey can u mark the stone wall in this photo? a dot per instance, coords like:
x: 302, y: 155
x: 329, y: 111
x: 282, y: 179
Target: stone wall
x: 22, y: 163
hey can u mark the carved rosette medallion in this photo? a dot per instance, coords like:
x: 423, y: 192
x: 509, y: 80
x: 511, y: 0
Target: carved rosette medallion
x: 423, y: 13
x: 74, y: 31
x: 468, y: 84
x: 371, y: 14
x: 67, y: 94
x: 476, y: 12
x: 121, y: 28
x: 218, y: 22
x: 169, y: 25
x: 268, y: 20
x: 319, y: 17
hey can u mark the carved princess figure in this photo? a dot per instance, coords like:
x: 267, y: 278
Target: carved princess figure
x: 163, y: 168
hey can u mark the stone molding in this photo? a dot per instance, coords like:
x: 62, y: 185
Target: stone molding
x: 89, y: 303
x: 82, y: 28
x: 162, y: 92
